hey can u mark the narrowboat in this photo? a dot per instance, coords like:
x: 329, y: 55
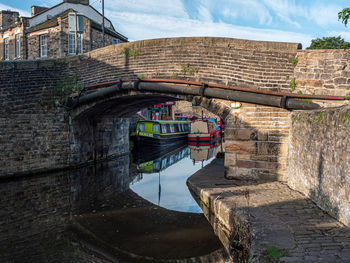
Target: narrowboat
x: 204, y: 153
x: 203, y: 132
x: 161, y: 133
x: 161, y: 163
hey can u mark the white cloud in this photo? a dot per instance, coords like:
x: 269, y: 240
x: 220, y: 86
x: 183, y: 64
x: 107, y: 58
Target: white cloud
x: 325, y: 16
x: 173, y: 8
x: 204, y: 14
x: 287, y: 10
x: 21, y: 12
x: 343, y: 34
x: 244, y: 10
x: 138, y: 27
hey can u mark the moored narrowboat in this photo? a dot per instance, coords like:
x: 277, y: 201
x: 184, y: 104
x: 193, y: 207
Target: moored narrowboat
x: 203, y: 131
x: 161, y: 133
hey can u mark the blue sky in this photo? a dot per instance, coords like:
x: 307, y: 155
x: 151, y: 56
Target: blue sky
x: 275, y: 20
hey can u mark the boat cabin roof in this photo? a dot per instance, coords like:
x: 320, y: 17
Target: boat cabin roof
x: 163, y: 121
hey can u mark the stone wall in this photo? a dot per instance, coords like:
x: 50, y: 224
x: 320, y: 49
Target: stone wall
x: 96, y: 39
x: 57, y: 39
x: 323, y: 72
x: 256, y: 142
x: 187, y: 109
x: 33, y: 132
x: 263, y: 65
x: 37, y: 135
x: 319, y: 160
x: 53, y: 43
x: 11, y: 35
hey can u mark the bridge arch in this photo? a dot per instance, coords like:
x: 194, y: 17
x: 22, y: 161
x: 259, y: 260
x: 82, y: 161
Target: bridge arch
x: 243, y: 63
x: 99, y: 127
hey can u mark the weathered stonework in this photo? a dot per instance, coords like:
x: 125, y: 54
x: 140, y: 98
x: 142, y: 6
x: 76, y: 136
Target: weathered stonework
x: 255, y: 135
x: 323, y: 72
x: 188, y: 109
x: 256, y: 140
x: 319, y: 160
x: 223, y: 61
x: 56, y: 31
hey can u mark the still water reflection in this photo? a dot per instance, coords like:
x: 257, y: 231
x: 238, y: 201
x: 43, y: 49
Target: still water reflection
x: 91, y: 215
x: 162, y: 180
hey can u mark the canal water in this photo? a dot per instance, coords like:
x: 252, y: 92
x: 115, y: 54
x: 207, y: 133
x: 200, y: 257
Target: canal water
x: 165, y: 183
x: 130, y: 209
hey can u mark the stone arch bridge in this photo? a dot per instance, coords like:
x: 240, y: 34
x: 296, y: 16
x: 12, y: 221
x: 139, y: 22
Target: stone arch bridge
x: 40, y: 131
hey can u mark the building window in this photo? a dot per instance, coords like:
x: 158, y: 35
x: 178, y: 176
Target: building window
x: 71, y: 44
x: 115, y: 41
x: 80, y: 44
x: 18, y: 45
x: 6, y: 49
x: 43, y: 46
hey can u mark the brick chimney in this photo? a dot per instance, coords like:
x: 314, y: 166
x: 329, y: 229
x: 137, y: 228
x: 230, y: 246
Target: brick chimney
x: 38, y: 9
x: 83, y: 2
x: 8, y: 17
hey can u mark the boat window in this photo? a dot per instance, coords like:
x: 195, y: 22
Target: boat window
x: 141, y: 127
x: 177, y: 128
x: 156, y: 166
x: 164, y: 163
x: 172, y: 128
x: 181, y: 127
x: 163, y: 126
x: 155, y: 127
x: 168, y: 130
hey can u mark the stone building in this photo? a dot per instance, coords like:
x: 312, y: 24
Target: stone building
x: 69, y: 28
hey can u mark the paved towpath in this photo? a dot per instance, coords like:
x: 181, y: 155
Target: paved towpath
x: 278, y: 217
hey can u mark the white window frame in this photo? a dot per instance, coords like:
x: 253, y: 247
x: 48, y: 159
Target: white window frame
x: 18, y: 45
x: 71, y: 43
x: 6, y: 49
x: 80, y: 43
x: 71, y: 46
x: 43, y: 45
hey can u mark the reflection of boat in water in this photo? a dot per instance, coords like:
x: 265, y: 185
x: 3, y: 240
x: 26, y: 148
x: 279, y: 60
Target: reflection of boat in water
x: 157, y: 163
x: 161, y: 133
x: 204, y: 152
x: 203, y: 131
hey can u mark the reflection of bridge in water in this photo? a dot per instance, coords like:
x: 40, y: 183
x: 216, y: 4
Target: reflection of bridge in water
x: 91, y: 214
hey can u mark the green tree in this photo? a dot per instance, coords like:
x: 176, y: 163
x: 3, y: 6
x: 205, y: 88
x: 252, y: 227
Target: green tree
x: 329, y: 43
x: 344, y: 15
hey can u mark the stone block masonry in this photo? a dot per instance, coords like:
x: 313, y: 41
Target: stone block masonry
x: 257, y: 215
x: 323, y: 72
x: 256, y: 142
x: 319, y: 159
x: 37, y: 136
x: 33, y: 133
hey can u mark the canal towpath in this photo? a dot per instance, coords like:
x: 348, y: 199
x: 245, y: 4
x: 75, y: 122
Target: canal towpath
x: 266, y: 221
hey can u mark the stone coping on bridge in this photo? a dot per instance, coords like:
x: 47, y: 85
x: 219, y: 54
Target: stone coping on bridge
x: 230, y: 43
x: 267, y: 216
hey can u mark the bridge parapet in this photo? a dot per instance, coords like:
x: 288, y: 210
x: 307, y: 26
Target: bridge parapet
x: 37, y: 134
